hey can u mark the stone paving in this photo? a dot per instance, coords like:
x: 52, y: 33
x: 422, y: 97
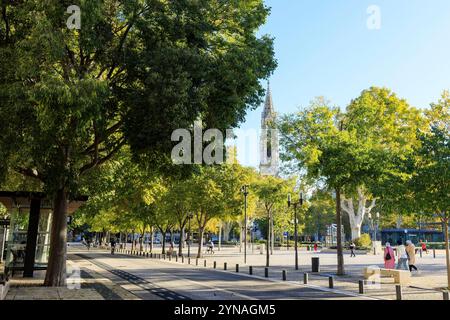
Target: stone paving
x: 427, y: 284
x: 128, y: 277
x: 200, y: 283
x: 89, y: 286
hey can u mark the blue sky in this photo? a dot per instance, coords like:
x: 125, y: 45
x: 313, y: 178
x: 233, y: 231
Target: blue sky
x: 324, y: 48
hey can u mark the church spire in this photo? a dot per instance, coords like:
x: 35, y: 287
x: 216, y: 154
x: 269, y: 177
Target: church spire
x: 268, y: 106
x: 269, y: 157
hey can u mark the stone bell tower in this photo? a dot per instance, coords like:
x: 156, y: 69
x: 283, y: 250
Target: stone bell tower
x: 269, y: 140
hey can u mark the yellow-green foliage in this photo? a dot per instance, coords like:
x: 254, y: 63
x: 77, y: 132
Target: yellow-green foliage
x: 364, y: 241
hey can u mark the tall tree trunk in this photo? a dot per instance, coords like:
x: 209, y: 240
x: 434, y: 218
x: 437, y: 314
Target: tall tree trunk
x: 447, y: 253
x: 356, y: 232
x: 356, y: 219
x: 163, y: 242
x: 201, y: 232
x: 220, y: 236
x: 399, y: 222
x: 340, y: 256
x: 56, y: 270
x: 268, y: 241
x: 240, y: 237
x: 272, y: 234
x: 151, y: 239
x: 226, y: 231
x: 180, y: 244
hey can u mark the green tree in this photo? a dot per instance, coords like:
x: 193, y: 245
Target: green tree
x: 430, y: 181
x: 320, y: 214
x: 177, y: 201
x: 215, y: 194
x: 355, y: 152
x: 272, y: 196
x: 134, y: 72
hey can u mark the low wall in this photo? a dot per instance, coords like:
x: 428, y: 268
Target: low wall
x: 4, y: 287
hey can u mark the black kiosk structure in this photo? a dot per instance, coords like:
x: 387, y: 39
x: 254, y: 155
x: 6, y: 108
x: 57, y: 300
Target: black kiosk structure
x: 25, y: 232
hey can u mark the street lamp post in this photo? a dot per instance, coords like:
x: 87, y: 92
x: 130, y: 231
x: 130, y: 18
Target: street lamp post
x: 374, y: 224
x: 190, y: 216
x: 244, y: 190
x: 295, y: 225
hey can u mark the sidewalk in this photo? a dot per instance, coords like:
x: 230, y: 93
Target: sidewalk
x: 83, y: 284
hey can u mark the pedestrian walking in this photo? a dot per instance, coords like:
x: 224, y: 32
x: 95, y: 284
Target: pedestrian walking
x: 352, y: 250
x: 315, y: 247
x: 424, y: 247
x: 210, y: 247
x: 113, y: 245
x: 389, y: 257
x: 411, y: 252
x: 171, y: 248
x: 402, y: 256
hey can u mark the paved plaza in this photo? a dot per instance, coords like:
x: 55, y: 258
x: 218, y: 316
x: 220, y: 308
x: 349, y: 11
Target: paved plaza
x: 97, y: 275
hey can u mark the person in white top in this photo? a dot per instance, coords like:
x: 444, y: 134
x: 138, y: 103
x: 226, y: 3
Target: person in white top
x: 402, y: 256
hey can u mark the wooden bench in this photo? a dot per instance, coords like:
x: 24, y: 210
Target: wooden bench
x: 400, y: 276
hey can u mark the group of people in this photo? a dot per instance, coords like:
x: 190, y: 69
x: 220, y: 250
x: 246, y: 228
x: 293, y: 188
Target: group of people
x: 406, y: 256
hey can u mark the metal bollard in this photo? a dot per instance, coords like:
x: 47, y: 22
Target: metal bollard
x: 398, y: 292
x: 189, y: 260
x: 204, y: 263
x: 361, y: 286
x: 182, y: 259
x: 331, y: 282
x: 315, y: 264
x: 421, y: 253
x: 196, y: 262
x: 176, y: 258
x: 250, y: 270
x: 224, y: 266
x: 284, y: 275
x: 237, y: 268
x: 266, y: 272
x: 445, y: 294
x: 164, y: 256
x: 147, y: 255
x: 305, y: 278
x: 434, y: 253
x: 215, y: 265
